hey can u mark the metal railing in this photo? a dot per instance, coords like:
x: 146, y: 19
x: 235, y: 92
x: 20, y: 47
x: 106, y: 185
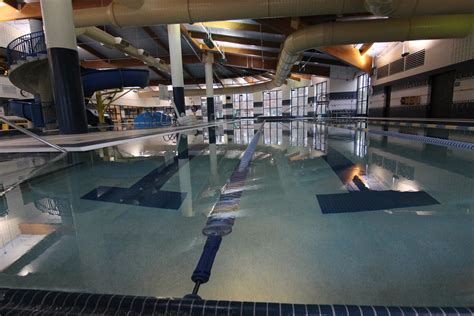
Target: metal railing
x: 28, y: 45
x: 27, y: 132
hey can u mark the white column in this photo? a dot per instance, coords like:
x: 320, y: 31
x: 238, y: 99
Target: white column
x: 35, y: 25
x: 176, y: 60
x: 64, y: 67
x: 208, y: 59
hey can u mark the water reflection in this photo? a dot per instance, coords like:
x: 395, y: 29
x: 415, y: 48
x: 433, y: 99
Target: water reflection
x: 55, y: 238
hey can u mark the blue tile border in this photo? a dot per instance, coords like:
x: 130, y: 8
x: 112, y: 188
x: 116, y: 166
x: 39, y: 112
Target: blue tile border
x: 28, y: 302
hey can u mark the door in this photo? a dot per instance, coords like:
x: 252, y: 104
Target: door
x: 441, y: 100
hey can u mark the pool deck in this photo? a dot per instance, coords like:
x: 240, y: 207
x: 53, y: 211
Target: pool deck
x: 91, y: 141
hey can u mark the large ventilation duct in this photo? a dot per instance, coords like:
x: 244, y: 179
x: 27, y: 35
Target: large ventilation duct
x: 135, y: 13
x: 191, y: 11
x: 410, y: 8
x: 341, y: 33
x: 131, y: 4
x: 122, y: 45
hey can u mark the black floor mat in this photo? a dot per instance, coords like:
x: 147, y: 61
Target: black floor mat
x: 360, y: 201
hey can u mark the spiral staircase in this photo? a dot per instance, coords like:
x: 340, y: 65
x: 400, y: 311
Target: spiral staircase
x: 29, y: 71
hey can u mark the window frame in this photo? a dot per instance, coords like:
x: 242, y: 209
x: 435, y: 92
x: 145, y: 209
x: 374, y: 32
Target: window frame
x: 272, y: 103
x: 363, y: 85
x: 299, y: 99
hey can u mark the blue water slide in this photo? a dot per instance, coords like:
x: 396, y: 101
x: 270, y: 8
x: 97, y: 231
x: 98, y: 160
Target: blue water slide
x: 28, y: 109
x: 95, y: 80
x: 92, y: 80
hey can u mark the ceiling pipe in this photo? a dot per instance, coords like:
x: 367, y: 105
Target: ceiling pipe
x: 410, y: 8
x: 342, y: 33
x: 191, y: 11
x: 131, y: 4
x: 122, y: 45
x: 380, y: 7
x: 153, y: 12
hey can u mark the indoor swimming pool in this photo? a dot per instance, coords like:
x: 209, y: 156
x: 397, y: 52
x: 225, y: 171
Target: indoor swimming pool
x: 320, y: 214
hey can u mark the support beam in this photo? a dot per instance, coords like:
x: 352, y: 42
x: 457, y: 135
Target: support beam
x: 153, y: 36
x: 279, y: 25
x: 241, y: 27
x: 32, y: 10
x: 174, y: 37
x: 350, y: 55
x: 323, y: 61
x: 365, y: 48
x: 245, y: 62
x: 161, y: 74
x: 208, y: 59
x: 297, y: 76
x: 235, y: 39
x: 149, y: 31
x: 64, y: 64
x: 240, y: 51
x: 196, y: 47
x: 90, y: 50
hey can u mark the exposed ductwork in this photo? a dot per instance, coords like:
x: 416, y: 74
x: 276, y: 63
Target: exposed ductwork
x: 122, y: 45
x: 410, y: 8
x: 337, y: 33
x: 380, y: 7
x: 124, y: 13
x: 131, y: 4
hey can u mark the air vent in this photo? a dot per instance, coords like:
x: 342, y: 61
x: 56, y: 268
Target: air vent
x: 403, y: 64
x: 415, y: 60
x: 382, y: 72
x: 397, y: 66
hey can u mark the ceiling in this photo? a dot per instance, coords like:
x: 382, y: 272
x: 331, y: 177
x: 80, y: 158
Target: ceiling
x: 251, y: 48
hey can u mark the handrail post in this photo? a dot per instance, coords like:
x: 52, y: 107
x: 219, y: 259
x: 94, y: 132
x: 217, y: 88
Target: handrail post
x: 27, y: 132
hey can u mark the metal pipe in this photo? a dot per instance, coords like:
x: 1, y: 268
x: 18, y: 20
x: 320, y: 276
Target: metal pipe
x: 154, y: 12
x: 184, y: 11
x: 27, y: 132
x: 336, y: 33
x: 118, y: 43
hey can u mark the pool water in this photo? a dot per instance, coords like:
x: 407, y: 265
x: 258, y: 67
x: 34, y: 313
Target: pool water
x: 326, y: 215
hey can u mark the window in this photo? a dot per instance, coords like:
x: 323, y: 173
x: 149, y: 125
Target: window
x: 363, y: 84
x: 217, y: 107
x: 243, y: 132
x: 243, y: 105
x: 321, y: 94
x: 298, y: 133
x: 273, y: 133
x: 360, y: 144
x: 320, y: 133
x: 272, y: 103
x: 299, y: 99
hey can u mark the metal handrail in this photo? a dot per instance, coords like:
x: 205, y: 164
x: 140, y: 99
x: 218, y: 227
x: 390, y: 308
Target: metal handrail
x: 27, y: 132
x: 28, y: 45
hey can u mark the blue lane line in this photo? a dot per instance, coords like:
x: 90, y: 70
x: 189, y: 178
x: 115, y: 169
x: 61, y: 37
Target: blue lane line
x: 427, y: 140
x: 418, y: 138
x: 222, y: 216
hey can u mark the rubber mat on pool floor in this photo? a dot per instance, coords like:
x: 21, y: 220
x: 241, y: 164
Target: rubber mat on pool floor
x: 361, y: 201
